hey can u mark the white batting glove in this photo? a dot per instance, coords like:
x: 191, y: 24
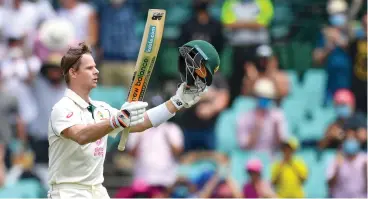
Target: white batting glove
x: 130, y: 114
x: 186, y: 96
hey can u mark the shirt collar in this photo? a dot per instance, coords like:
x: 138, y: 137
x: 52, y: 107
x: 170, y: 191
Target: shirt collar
x: 76, y: 98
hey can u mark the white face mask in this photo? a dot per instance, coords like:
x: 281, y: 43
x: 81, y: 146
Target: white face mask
x: 15, y: 53
x: 117, y: 2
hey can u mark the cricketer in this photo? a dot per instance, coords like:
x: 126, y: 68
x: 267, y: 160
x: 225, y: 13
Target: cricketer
x: 78, y: 126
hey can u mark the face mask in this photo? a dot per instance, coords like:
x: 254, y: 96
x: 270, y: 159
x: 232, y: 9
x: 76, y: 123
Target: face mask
x: 343, y: 111
x: 351, y: 147
x: 15, y: 53
x: 264, y: 103
x: 338, y: 19
x: 181, y: 192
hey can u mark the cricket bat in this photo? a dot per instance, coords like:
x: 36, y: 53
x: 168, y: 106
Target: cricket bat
x: 148, y: 51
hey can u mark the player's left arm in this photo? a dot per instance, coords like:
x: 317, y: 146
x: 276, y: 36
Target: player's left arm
x: 161, y: 113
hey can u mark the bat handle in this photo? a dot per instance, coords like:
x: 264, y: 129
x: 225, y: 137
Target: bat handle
x: 123, y: 139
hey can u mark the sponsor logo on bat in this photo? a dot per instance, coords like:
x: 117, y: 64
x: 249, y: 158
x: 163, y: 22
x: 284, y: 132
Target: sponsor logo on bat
x: 140, y: 78
x: 157, y: 15
x: 150, y: 39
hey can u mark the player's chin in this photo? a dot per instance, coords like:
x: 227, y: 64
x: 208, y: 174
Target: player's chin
x: 94, y: 83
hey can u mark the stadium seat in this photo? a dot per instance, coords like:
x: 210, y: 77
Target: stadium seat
x: 192, y: 171
x: 295, y: 85
x: 226, y: 61
x: 238, y: 162
x: 283, y: 17
x: 294, y: 109
x: 312, y: 130
x: 314, y: 87
x: 26, y: 188
x: 243, y: 104
x: 226, y: 132
x: 115, y: 96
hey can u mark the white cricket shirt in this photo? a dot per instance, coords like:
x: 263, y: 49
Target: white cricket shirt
x: 70, y: 162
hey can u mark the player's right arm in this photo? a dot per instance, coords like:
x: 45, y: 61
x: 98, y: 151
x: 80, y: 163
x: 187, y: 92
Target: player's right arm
x: 68, y: 123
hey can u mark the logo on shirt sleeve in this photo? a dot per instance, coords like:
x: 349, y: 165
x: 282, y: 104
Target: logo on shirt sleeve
x: 69, y: 115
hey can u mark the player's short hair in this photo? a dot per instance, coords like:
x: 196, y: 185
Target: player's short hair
x: 72, y: 57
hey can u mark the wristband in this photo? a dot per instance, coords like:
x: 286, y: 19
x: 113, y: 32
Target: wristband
x: 159, y: 115
x: 178, y: 103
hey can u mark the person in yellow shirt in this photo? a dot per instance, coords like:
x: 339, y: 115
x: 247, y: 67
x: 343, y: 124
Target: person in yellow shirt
x: 289, y: 174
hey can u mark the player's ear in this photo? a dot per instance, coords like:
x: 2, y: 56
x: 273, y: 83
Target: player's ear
x: 72, y: 73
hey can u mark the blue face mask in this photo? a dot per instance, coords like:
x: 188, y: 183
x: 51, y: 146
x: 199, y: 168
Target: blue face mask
x: 264, y: 103
x: 343, y: 111
x: 181, y: 192
x: 351, y: 147
x: 338, y: 19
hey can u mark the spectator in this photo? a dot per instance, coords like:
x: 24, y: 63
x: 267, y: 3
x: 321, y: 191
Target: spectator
x: 264, y: 127
x: 289, y: 174
x: 265, y: 65
x: 198, y: 122
x: 9, y: 117
x: 247, y: 22
x: 155, y: 152
x: 358, y: 52
x: 118, y: 41
x: 138, y: 189
x: 54, y: 36
x: 346, y: 116
x: 48, y: 87
x: 347, y: 174
x: 257, y: 187
x: 182, y: 188
x: 202, y: 27
x: 331, y: 49
x: 84, y: 19
x: 218, y: 184
x: 17, y: 71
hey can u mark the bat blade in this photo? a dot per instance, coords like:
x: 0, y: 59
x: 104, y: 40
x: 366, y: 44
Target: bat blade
x: 148, y: 51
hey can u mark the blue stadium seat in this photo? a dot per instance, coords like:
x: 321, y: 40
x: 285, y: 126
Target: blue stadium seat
x: 294, y: 109
x: 314, y: 87
x: 239, y: 159
x: 23, y: 189
x: 115, y: 96
x: 192, y: 171
x: 315, y: 128
x: 226, y: 132
x: 243, y: 104
x: 295, y: 85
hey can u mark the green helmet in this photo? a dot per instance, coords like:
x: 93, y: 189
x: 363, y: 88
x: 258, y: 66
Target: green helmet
x: 197, y: 54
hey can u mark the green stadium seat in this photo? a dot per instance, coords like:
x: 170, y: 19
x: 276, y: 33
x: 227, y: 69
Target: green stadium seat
x: 238, y: 162
x: 282, y: 20
x: 115, y: 96
x: 226, y: 61
x: 226, y: 132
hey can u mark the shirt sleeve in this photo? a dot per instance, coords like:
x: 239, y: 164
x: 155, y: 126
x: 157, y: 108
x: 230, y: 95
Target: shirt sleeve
x: 243, y: 130
x: 266, y: 12
x: 302, y: 168
x: 274, y: 170
x: 63, y: 118
x: 331, y: 169
x: 227, y: 13
x: 175, y: 135
x: 283, y: 126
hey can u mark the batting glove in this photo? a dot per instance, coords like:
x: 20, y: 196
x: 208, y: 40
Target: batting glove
x: 186, y: 96
x: 130, y: 114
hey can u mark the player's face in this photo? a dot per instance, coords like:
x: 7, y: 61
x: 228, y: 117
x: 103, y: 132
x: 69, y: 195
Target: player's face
x: 87, y: 75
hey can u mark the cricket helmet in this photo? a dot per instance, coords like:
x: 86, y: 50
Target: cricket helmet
x: 198, y: 62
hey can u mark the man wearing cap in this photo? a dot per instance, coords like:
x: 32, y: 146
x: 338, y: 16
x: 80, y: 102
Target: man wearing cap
x: 265, y: 64
x: 332, y: 49
x: 263, y: 128
x: 289, y: 174
x: 347, y: 118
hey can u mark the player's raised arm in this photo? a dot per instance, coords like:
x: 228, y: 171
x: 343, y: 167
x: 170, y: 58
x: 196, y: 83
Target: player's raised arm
x: 198, y: 61
x: 64, y: 124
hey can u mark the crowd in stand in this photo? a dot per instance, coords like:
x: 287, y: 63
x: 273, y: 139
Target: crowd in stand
x: 34, y: 34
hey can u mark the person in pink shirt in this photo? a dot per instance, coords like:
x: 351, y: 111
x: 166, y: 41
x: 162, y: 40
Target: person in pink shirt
x: 347, y: 174
x: 264, y: 127
x: 256, y: 187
